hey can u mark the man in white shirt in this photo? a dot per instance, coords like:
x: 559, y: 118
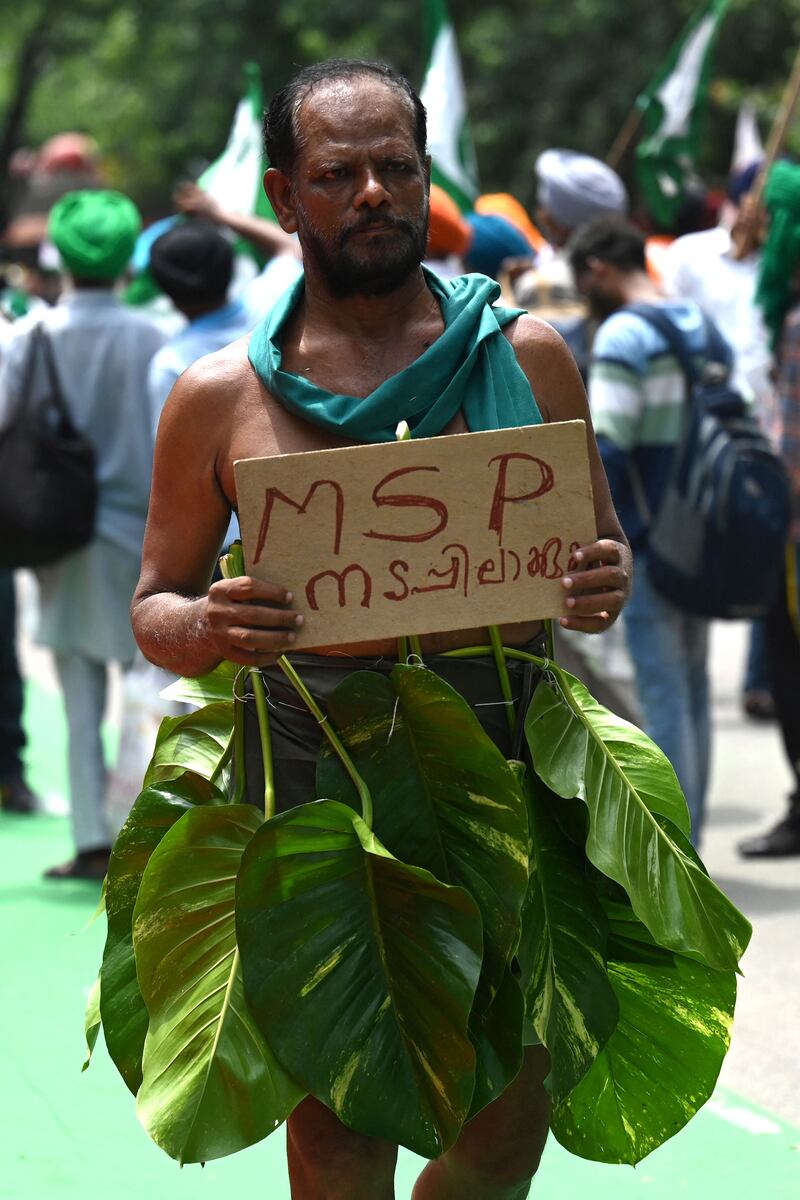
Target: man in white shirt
x: 704, y: 267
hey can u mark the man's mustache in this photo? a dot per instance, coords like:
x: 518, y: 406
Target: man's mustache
x: 376, y: 221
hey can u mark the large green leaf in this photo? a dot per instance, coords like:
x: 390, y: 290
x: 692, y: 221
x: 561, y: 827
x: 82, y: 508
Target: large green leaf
x: 91, y: 1021
x: 495, y: 1029
x: 562, y: 949
x: 445, y: 799
x: 217, y: 685
x: 662, y: 1061
x: 211, y: 1084
x: 581, y: 749
x: 363, y: 971
x: 121, y: 1005
x: 199, y: 742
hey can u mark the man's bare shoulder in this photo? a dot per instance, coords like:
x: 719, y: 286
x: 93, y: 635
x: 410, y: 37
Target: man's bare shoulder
x: 214, y: 378
x: 549, y: 366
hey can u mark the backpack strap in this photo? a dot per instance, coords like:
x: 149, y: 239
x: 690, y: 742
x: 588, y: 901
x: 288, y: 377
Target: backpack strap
x: 654, y: 315
x: 40, y: 346
x: 716, y: 348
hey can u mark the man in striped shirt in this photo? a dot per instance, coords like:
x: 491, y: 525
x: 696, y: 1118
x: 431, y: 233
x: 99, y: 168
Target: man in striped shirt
x: 637, y: 393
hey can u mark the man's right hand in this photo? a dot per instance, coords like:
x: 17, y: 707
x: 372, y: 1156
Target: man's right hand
x: 248, y: 621
x: 193, y: 201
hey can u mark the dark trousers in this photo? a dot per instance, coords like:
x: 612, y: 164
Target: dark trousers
x: 12, y: 737
x: 783, y: 654
x: 296, y: 736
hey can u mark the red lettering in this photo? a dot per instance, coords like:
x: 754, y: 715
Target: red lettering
x: 545, y: 562
x: 408, y: 501
x: 272, y: 494
x: 340, y: 577
x: 450, y: 574
x: 490, y: 566
x: 501, y: 499
x: 393, y: 569
x: 552, y: 569
x: 572, y: 564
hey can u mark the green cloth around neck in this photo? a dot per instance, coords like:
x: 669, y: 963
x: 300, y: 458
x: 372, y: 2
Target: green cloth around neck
x: 471, y: 367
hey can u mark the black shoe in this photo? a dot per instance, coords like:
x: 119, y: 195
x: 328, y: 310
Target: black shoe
x: 87, y: 864
x: 16, y: 796
x: 780, y: 841
x: 759, y: 704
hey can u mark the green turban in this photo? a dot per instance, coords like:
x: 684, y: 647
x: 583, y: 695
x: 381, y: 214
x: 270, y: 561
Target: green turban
x: 777, y: 289
x: 95, y: 232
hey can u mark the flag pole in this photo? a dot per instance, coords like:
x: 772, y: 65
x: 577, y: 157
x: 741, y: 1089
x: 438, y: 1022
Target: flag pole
x: 747, y: 240
x: 623, y: 140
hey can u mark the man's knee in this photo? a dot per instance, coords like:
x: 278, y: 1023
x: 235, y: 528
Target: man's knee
x: 502, y: 1166
x: 330, y: 1161
x: 502, y: 1147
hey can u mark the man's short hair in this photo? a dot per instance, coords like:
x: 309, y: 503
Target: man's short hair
x: 611, y: 239
x: 280, y: 119
x: 192, y: 263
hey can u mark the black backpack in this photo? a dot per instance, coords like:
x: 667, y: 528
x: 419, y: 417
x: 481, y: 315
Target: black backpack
x: 716, y: 546
x: 48, y: 484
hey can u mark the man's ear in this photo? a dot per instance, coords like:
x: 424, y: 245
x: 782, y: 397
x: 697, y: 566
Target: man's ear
x: 279, y: 191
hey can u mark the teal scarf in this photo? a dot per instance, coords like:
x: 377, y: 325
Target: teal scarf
x: 471, y: 368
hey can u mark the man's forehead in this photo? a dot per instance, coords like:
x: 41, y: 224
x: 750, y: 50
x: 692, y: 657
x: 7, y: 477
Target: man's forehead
x: 343, y: 111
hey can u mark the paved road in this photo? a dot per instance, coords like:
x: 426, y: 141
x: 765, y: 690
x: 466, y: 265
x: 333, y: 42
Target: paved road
x: 749, y: 786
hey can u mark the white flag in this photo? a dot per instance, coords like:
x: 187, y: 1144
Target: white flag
x: 234, y: 179
x: 449, y: 138
x: 747, y: 145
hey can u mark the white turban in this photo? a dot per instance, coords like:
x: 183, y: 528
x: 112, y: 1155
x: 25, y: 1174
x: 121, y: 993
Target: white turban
x: 575, y: 188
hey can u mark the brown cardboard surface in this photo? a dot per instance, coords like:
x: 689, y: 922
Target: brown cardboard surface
x: 420, y: 536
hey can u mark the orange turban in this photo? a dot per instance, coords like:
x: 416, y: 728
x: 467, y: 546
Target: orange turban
x: 501, y: 204
x: 448, y: 232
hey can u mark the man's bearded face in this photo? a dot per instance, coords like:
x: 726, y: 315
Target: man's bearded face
x: 370, y: 257
x: 359, y: 188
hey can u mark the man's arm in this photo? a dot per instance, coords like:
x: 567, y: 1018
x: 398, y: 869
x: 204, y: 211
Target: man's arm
x: 267, y: 236
x: 598, y: 589
x: 180, y: 622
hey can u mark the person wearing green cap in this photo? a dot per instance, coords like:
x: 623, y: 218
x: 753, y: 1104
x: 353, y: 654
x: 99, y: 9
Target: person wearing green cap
x: 102, y: 351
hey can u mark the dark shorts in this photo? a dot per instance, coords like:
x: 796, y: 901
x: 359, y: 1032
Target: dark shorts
x: 296, y: 736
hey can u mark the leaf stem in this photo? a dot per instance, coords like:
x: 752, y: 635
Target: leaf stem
x: 239, y: 778
x: 498, y: 650
x: 416, y: 645
x: 402, y: 649
x: 265, y: 737
x: 223, y: 759
x: 326, y: 727
x: 508, y: 651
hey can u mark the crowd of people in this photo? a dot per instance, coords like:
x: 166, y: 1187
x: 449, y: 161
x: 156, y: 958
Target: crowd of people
x: 729, y: 285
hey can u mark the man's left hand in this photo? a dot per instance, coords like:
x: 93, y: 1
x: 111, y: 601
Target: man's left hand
x: 597, y: 588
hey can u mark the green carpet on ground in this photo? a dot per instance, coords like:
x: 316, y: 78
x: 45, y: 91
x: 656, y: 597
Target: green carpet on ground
x: 67, y: 1135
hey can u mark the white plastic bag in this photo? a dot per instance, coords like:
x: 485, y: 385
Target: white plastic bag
x: 142, y: 713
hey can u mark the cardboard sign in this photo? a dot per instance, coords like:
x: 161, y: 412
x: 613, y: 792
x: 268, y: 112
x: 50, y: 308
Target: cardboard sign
x: 444, y: 533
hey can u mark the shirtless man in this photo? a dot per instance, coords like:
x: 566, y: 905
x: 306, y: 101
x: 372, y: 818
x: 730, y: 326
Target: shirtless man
x: 350, y: 175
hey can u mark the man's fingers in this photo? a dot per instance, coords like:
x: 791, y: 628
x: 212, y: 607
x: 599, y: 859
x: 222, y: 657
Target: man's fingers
x: 260, y: 641
x: 256, y: 616
x: 589, y: 624
x: 244, y: 588
x: 595, y: 579
x: 609, y: 602
x: 605, y: 550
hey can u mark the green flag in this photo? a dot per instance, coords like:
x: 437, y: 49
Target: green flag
x: 455, y: 167
x: 673, y: 108
x: 234, y: 179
